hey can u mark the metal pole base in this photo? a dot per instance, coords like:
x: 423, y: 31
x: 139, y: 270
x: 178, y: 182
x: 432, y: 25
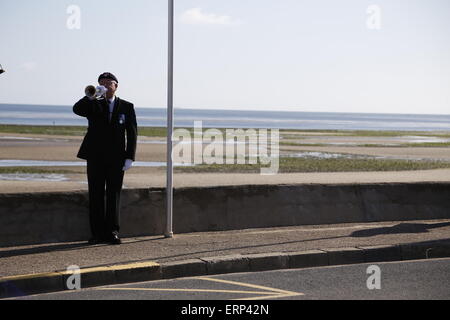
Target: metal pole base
x: 168, y: 235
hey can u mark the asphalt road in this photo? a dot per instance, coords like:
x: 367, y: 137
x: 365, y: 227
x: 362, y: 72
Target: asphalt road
x: 420, y: 279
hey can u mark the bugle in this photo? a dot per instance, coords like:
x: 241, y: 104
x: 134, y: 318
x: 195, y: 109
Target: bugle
x: 95, y: 92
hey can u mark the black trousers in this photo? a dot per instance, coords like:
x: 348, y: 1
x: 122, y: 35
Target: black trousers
x: 105, y: 178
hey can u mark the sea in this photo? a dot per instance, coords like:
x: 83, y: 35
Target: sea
x: 22, y: 114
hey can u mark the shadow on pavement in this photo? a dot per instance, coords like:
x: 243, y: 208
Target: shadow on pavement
x: 57, y: 247
x: 400, y: 228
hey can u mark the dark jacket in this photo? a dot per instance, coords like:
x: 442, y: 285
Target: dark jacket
x: 104, y: 139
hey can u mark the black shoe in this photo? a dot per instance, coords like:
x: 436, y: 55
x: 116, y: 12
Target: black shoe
x: 115, y: 239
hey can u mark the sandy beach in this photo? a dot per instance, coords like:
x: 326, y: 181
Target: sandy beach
x: 64, y: 148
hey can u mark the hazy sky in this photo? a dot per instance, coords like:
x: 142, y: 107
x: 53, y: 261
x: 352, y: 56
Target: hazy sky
x: 305, y: 55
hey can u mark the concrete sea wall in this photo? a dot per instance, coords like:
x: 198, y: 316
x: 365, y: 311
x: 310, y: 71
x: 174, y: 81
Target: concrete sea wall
x: 60, y: 217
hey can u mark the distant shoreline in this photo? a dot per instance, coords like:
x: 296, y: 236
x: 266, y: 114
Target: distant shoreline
x: 215, y: 118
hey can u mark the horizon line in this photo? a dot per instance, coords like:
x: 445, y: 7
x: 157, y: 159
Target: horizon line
x: 240, y: 109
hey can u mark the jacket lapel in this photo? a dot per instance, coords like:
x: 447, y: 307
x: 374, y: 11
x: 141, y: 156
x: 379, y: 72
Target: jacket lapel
x: 105, y: 109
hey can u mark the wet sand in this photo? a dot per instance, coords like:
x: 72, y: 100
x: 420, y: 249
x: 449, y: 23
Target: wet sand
x: 64, y: 148
x: 413, y: 153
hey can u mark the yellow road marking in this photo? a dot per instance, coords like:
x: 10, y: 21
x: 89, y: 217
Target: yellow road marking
x: 135, y: 265
x: 82, y: 271
x: 272, y: 297
x: 266, y: 293
x: 30, y: 276
x: 188, y: 290
x: 242, y: 284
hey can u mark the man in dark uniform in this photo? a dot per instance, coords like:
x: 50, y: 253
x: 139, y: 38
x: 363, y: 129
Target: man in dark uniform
x: 109, y: 148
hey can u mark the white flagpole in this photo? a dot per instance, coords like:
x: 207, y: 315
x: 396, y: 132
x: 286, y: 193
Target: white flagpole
x: 169, y: 174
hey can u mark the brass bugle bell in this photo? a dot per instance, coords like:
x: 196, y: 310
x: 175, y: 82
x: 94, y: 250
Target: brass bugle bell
x: 90, y: 91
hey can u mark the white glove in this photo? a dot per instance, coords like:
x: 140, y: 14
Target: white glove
x: 128, y: 164
x: 101, y: 91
